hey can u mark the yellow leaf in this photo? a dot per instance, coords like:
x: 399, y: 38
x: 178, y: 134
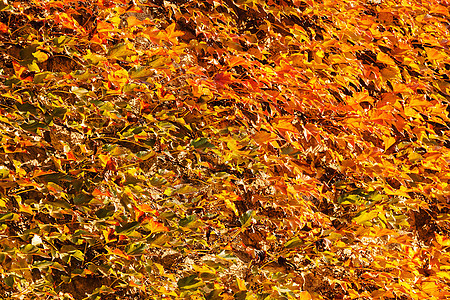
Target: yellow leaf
x: 160, y: 268
x: 305, y: 296
x: 442, y: 240
x: 366, y: 216
x: 241, y: 284
x: 204, y: 269
x: 430, y: 287
x: 388, y: 142
x: 419, y: 101
x: 231, y: 143
x: 40, y: 56
x: 442, y: 274
x: 231, y: 206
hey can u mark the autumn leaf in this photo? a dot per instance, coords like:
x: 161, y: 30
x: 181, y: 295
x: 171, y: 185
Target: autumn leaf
x: 3, y: 28
x: 172, y: 34
x: 386, y: 59
x: 155, y: 227
x: 223, y: 78
x: 151, y: 149
x: 68, y: 21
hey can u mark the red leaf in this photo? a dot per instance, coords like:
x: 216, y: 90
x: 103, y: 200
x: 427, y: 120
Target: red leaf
x: 223, y: 78
x: 3, y: 28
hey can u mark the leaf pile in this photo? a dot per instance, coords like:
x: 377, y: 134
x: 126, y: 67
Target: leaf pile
x: 229, y: 149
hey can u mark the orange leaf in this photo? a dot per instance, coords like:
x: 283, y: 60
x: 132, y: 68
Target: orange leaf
x: 172, y: 34
x: 388, y: 142
x: 146, y: 208
x: 235, y: 61
x: 140, y: 286
x: 120, y: 253
x: 401, y: 88
x: 435, y: 54
x: 18, y: 69
x: 285, y: 124
x: 70, y: 156
x: 133, y: 21
x: 264, y: 137
x: 305, y: 296
x: 97, y: 193
x: 430, y: 287
x: 26, y: 209
x: 386, y: 59
x: 67, y: 21
x: 103, y: 26
x: 3, y: 28
x: 156, y: 226
x: 439, y: 9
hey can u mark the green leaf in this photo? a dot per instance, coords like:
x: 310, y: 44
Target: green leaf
x: 78, y: 255
x: 10, y: 281
x: 105, y: 212
x: 136, y: 248
x: 294, y: 243
x: 42, y: 264
x: 104, y: 290
x: 27, y: 52
x: 144, y: 155
x: 27, y: 249
x: 186, y: 221
x: 157, y: 61
x: 190, y: 282
x: 127, y: 228
x: 186, y: 189
x: 157, y: 181
x: 33, y: 126
x: 9, y: 217
x: 93, y: 58
x: 214, y: 295
x: 39, y: 77
x: 246, y: 218
x: 82, y: 198
x: 27, y: 107
x: 79, y: 92
x: 202, y: 143
x: 82, y: 75
x: 72, y: 251
x: 61, y: 40
x: 4, y: 172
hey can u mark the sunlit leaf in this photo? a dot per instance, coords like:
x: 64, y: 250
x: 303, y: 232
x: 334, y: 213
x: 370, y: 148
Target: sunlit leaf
x: 190, y: 282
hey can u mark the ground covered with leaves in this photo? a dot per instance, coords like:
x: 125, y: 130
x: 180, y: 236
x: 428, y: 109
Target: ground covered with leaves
x: 229, y: 149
